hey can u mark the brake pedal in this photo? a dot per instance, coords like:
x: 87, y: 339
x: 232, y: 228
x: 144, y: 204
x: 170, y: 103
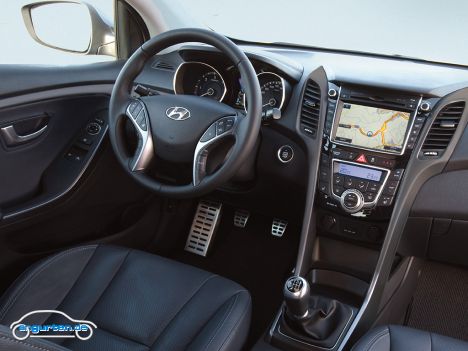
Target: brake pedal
x: 204, y: 226
x: 240, y: 218
x: 278, y: 227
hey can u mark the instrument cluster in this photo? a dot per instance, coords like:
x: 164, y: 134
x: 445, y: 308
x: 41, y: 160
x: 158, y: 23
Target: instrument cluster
x: 223, y: 83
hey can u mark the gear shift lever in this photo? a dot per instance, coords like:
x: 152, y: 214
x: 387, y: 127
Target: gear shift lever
x: 296, y: 296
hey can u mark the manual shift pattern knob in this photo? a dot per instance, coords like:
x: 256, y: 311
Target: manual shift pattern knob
x: 296, y: 296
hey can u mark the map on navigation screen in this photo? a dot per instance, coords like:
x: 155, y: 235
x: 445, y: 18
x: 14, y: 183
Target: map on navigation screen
x: 372, y: 127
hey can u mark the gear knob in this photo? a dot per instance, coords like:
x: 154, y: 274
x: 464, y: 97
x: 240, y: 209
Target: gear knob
x: 296, y: 296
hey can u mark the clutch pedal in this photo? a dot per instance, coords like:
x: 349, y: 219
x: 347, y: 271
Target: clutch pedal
x: 204, y: 226
x: 278, y: 227
x: 240, y: 218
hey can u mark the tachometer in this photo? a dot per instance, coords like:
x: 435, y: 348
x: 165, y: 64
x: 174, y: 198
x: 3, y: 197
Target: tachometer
x: 210, y: 85
x: 199, y: 78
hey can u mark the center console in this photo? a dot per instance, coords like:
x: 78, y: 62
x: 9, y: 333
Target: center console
x: 367, y: 142
x: 368, y: 139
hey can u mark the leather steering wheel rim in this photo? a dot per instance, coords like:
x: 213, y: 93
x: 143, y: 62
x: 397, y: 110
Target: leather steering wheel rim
x: 247, y: 129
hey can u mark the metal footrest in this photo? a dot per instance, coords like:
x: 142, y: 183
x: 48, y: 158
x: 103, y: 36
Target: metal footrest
x: 240, y: 218
x: 278, y: 227
x: 204, y: 227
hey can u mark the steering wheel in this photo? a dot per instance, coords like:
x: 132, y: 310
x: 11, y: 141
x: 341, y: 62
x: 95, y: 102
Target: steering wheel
x: 183, y: 128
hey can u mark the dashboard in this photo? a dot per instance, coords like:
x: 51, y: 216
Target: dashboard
x: 217, y: 79
x: 377, y: 112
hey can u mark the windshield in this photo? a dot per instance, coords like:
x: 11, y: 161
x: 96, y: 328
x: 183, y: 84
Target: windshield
x: 430, y: 30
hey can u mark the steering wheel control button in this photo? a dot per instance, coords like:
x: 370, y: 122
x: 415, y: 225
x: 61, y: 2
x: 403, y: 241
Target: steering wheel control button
x: 285, y: 154
x: 209, y: 134
x: 93, y: 128
x: 141, y: 121
x: 229, y: 123
x: 220, y: 127
x: 352, y: 200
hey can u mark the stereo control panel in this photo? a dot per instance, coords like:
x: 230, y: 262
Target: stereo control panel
x: 368, y: 139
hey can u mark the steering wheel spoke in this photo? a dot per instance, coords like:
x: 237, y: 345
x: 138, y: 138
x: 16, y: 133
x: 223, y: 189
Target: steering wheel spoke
x: 138, y: 115
x: 222, y: 128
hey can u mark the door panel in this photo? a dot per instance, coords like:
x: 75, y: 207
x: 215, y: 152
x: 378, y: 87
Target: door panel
x: 63, y: 186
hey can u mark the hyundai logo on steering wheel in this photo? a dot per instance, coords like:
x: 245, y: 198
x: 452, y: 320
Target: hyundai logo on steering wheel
x: 178, y: 113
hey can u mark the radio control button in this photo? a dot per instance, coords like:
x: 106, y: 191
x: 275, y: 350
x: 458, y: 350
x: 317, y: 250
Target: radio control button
x: 323, y: 187
x: 369, y: 197
x: 338, y: 179
x: 324, y: 174
x: 339, y: 153
x: 352, y: 200
x: 362, y: 185
x: 351, y: 155
x: 385, y: 200
x: 373, y: 160
x: 397, y: 174
x: 373, y: 187
x: 390, y: 190
x: 338, y: 190
x: 349, y: 182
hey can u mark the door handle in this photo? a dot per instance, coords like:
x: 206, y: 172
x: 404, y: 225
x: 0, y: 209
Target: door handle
x: 12, y: 138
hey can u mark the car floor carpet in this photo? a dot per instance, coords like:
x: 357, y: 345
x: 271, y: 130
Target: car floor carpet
x: 440, y: 303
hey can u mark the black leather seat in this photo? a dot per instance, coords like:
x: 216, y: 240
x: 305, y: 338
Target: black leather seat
x: 398, y: 338
x: 137, y: 300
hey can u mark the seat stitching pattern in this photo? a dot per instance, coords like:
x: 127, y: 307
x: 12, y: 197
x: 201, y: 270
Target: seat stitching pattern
x: 372, y: 342
x: 30, y: 345
x: 109, y: 284
x: 196, y: 291
x: 35, y: 273
x: 236, y: 325
x: 222, y: 321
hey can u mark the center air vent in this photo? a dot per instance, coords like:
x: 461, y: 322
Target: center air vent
x: 310, y: 109
x: 443, y: 128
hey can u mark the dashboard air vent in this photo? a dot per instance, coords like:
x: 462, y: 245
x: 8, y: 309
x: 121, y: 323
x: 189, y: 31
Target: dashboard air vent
x: 162, y: 65
x: 443, y: 128
x: 310, y: 109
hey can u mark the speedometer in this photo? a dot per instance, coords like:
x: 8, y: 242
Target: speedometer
x: 199, y: 78
x: 273, y: 89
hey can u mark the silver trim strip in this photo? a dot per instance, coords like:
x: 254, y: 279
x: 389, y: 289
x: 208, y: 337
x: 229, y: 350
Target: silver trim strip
x: 145, y: 150
x: 202, y: 147
x: 408, y: 131
x: 366, y: 204
x: 176, y: 77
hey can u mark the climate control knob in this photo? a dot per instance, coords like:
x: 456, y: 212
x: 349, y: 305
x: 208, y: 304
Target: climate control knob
x: 352, y: 200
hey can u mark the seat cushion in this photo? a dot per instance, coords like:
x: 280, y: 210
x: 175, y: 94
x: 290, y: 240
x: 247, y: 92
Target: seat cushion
x: 398, y: 338
x: 138, y: 301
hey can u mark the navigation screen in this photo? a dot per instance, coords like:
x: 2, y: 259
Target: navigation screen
x: 372, y: 127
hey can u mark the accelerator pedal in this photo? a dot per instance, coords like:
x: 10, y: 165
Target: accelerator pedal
x: 240, y: 218
x: 278, y: 227
x: 204, y: 226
